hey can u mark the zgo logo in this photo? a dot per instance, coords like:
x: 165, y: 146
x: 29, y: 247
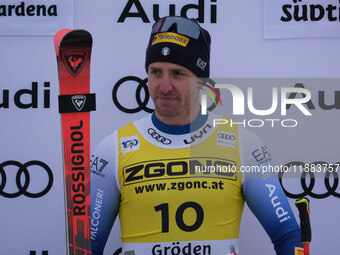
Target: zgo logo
x: 23, y: 174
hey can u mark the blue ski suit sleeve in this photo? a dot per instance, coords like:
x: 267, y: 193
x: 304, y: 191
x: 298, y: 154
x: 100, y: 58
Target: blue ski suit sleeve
x: 266, y: 199
x: 269, y: 204
x: 105, y: 194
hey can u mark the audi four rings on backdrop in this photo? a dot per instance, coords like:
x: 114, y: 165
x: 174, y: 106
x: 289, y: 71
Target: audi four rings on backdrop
x: 23, y: 174
x: 308, y: 188
x: 142, y: 103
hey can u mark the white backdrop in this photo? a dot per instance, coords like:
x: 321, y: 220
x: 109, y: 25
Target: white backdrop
x: 28, y: 75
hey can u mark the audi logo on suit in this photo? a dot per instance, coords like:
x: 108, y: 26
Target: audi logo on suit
x: 158, y: 137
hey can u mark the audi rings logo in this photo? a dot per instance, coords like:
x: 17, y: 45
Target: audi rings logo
x: 226, y: 136
x: 23, y: 178
x: 142, y: 103
x: 308, y: 187
x: 143, y: 99
x: 158, y: 137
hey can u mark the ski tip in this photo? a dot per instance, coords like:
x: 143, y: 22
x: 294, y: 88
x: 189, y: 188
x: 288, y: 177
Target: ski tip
x: 58, y: 37
x: 71, y: 36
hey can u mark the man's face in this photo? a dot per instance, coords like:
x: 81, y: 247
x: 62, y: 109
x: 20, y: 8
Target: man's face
x: 172, y: 93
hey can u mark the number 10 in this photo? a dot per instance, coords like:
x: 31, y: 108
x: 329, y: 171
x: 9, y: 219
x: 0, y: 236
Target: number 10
x: 164, y: 208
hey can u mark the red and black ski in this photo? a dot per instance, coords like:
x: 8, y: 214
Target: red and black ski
x: 73, y: 49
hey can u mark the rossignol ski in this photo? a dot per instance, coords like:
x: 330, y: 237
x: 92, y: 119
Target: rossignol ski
x: 73, y: 50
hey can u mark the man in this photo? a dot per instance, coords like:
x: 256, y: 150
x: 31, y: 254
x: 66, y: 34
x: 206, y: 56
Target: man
x: 156, y: 174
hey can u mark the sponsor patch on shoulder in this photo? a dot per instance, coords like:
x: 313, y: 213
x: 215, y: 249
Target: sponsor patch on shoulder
x: 226, y: 139
x: 129, y: 143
